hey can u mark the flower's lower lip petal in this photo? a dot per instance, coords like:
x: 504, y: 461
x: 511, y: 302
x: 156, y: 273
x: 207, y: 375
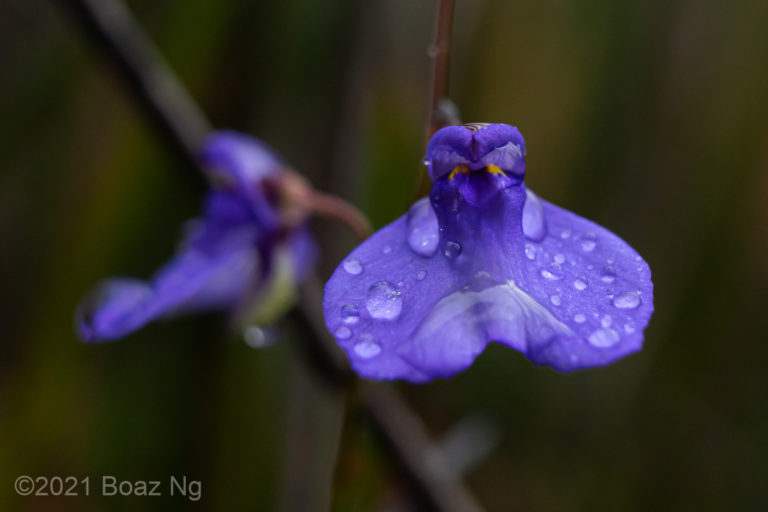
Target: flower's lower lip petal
x: 379, y: 294
x: 213, y: 270
x: 115, y: 307
x: 593, y: 282
x: 577, y: 297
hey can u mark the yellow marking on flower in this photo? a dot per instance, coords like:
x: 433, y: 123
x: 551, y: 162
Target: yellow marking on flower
x: 459, y: 169
x: 494, y: 169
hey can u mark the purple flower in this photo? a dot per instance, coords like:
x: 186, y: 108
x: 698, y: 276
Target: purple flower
x: 484, y: 259
x: 238, y: 256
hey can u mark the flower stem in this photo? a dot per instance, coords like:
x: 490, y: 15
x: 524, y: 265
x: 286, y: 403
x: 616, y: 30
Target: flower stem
x: 440, y: 114
x: 149, y: 79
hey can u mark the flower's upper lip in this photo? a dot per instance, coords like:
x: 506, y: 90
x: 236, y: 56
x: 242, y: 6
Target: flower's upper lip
x: 481, y: 140
x: 476, y: 145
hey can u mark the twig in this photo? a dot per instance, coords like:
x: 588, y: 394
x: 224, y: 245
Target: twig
x: 110, y: 24
x: 439, y: 52
x: 112, y: 27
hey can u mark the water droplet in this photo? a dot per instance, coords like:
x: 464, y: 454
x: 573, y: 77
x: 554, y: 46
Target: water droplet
x: 559, y: 259
x: 629, y: 328
x: 367, y: 347
x: 626, y: 300
x: 638, y: 259
x: 530, y: 251
x: 603, y: 338
x: 579, y: 318
x: 565, y: 234
x: 608, y: 274
x: 534, y: 227
x: 547, y: 274
x: 590, y: 267
x: 423, y: 229
x: 452, y: 249
x: 384, y: 301
x: 606, y: 321
x: 639, y: 269
x: 350, y: 314
x: 387, y: 249
x: 257, y: 337
x: 588, y: 242
x: 580, y: 283
x: 421, y: 274
x: 353, y: 266
x: 556, y: 300
x: 343, y: 332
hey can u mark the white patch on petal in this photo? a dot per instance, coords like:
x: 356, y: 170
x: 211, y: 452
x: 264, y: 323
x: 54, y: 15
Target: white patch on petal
x: 466, y: 320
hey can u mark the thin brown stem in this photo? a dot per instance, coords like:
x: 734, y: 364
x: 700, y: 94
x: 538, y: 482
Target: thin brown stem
x: 148, y: 78
x: 335, y: 207
x: 439, y: 52
x: 298, y: 201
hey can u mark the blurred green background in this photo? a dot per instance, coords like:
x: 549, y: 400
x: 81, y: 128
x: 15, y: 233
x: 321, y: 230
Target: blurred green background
x: 650, y: 118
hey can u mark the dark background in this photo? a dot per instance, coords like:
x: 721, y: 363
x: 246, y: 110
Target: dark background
x: 650, y: 118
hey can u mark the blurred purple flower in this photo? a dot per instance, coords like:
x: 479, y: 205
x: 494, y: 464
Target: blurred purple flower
x: 238, y: 256
x: 484, y: 259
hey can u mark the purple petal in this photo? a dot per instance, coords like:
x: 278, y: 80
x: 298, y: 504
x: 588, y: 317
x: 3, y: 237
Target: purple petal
x: 595, y: 283
x: 211, y: 276
x: 241, y: 162
x: 476, y: 145
x: 239, y: 157
x: 114, y: 308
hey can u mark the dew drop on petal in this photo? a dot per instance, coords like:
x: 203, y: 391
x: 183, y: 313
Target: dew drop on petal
x: 367, y: 347
x: 530, y: 251
x: 556, y: 300
x: 629, y: 328
x: 452, y: 249
x: 534, y: 227
x: 580, y: 283
x: 603, y: 338
x: 549, y: 274
x: 421, y: 274
x: 559, y: 259
x: 608, y: 274
x: 343, y: 332
x: 606, y: 321
x: 626, y: 300
x: 565, y: 234
x: 579, y: 318
x: 423, y: 229
x: 350, y: 314
x: 384, y: 301
x: 387, y: 249
x: 353, y: 266
x: 588, y: 242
